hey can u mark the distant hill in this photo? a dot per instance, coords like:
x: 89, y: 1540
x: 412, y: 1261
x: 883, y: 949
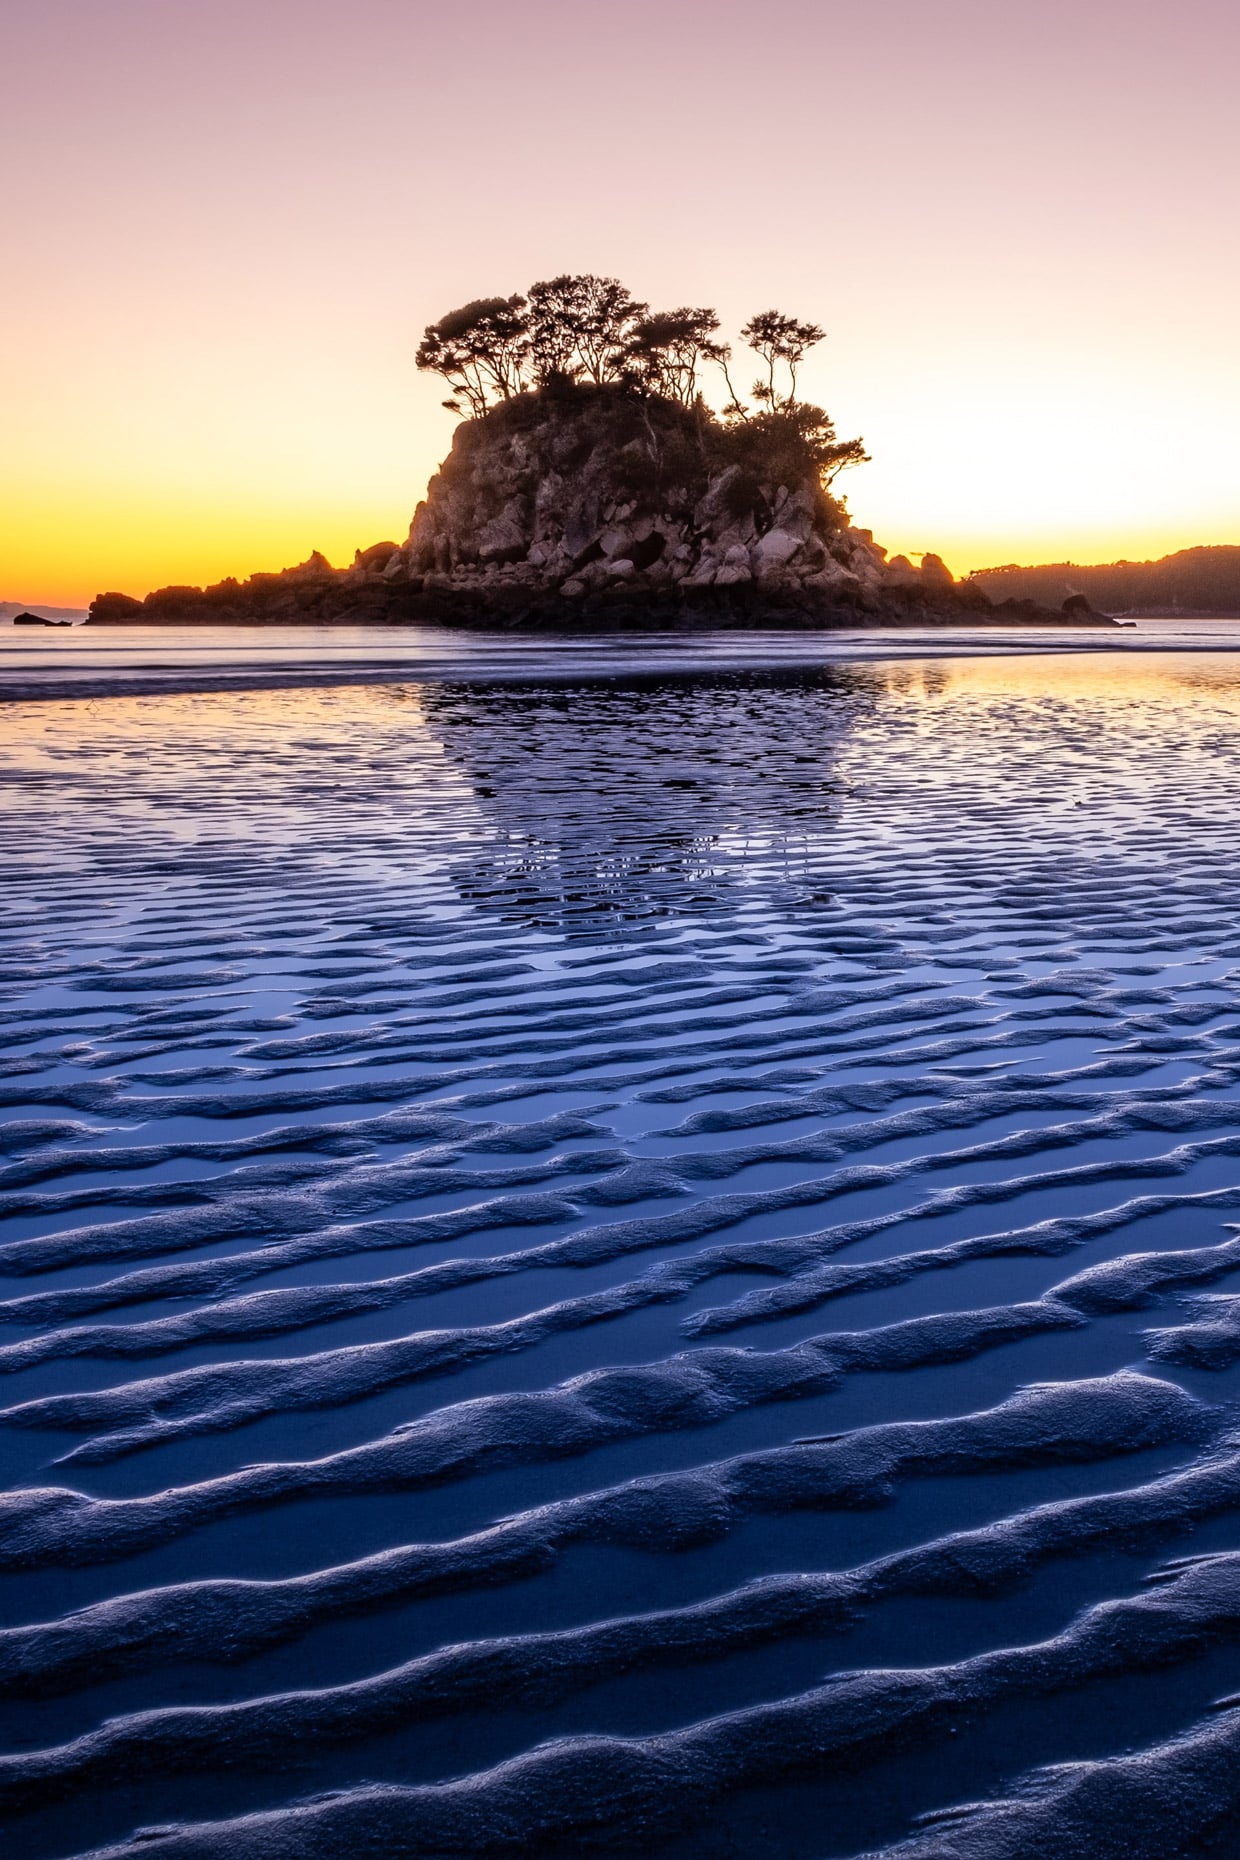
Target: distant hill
x: 1194, y: 581
x: 9, y: 608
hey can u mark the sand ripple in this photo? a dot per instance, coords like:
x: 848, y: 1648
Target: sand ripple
x: 639, y: 1266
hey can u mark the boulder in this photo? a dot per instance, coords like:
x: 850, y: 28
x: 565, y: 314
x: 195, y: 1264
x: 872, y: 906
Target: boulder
x: 745, y: 534
x: 114, y: 609
x: 832, y: 579
x: 377, y: 556
x: 548, y: 499
x: 316, y: 567
x: 773, y: 551
x: 794, y: 511
x: 703, y: 575
x: 503, y: 539
x: 717, y: 500
x: 735, y: 567
x: 812, y: 556
x: 935, y: 572
x: 582, y: 530
x: 900, y: 573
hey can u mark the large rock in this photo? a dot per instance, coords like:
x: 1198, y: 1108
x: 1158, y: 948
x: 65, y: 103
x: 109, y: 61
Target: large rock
x: 717, y: 502
x: 900, y: 573
x: 115, y: 609
x: 504, y: 538
x: 773, y: 550
x: 734, y: 569
x: 316, y: 567
x: 795, y: 511
x: 832, y: 579
x: 592, y: 488
x: 935, y: 572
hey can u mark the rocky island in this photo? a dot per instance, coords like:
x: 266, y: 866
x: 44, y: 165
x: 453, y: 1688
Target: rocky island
x: 590, y: 484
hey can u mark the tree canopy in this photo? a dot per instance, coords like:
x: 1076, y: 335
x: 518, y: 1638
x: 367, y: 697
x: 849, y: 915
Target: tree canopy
x: 481, y: 351
x: 578, y: 329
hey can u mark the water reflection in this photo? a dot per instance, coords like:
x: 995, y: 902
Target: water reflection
x: 648, y: 797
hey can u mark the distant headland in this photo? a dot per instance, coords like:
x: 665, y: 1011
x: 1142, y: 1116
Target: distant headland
x: 590, y: 484
x: 1200, y: 581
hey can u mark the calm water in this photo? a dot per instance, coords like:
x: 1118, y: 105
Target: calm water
x: 640, y: 1264
x: 78, y: 660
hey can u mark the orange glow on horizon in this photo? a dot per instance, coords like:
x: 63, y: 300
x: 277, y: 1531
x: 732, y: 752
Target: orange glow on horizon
x: 222, y: 243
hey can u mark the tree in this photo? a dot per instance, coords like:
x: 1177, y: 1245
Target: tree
x: 480, y: 350
x: 779, y: 338
x: 665, y: 351
x: 580, y: 326
x: 792, y: 442
x: 557, y: 308
x: 837, y: 455
x: 609, y: 314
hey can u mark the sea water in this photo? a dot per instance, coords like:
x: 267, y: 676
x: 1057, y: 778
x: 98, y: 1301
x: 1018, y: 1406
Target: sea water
x: 603, y: 1254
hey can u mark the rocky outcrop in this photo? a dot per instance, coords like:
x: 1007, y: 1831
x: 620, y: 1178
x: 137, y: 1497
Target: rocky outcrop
x: 311, y: 593
x: 599, y: 507
x: 596, y: 506
x: 599, y: 500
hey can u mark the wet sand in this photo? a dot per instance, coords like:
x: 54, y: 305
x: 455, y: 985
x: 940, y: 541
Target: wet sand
x: 641, y: 1263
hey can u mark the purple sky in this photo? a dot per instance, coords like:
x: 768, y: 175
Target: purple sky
x: 224, y: 226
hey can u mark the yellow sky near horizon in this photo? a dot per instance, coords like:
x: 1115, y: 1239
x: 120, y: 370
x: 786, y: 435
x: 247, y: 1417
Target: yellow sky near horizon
x: 224, y: 229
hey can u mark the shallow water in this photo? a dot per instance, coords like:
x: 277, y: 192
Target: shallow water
x: 99, y: 661
x: 645, y: 1264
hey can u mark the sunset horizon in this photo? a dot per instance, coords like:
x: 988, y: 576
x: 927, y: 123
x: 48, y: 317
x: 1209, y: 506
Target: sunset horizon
x: 223, y: 247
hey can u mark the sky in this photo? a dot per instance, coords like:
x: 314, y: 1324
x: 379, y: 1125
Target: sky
x: 224, y: 225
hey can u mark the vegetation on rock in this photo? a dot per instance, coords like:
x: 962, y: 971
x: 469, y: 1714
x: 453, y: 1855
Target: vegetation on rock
x: 584, y: 330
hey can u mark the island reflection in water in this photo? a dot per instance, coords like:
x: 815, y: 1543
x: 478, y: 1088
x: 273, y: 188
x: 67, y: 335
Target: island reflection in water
x: 647, y: 798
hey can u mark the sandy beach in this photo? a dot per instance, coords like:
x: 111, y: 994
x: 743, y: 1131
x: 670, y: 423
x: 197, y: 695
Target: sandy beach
x: 545, y: 1206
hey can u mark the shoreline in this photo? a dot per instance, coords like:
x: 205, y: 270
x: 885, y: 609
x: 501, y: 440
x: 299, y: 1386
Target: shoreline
x: 567, y: 619
x: 610, y: 657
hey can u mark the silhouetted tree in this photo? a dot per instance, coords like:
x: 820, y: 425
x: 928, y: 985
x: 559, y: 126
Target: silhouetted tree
x: 779, y: 338
x: 480, y: 350
x: 790, y: 443
x: 580, y: 325
x: 578, y: 328
x: 556, y: 308
x: 665, y: 351
x: 610, y: 312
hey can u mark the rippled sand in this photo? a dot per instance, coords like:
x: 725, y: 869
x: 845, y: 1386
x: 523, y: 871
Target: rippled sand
x: 646, y: 1266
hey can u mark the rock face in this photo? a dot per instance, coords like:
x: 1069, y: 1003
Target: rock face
x: 600, y: 501
x: 597, y: 506
x: 594, y: 507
